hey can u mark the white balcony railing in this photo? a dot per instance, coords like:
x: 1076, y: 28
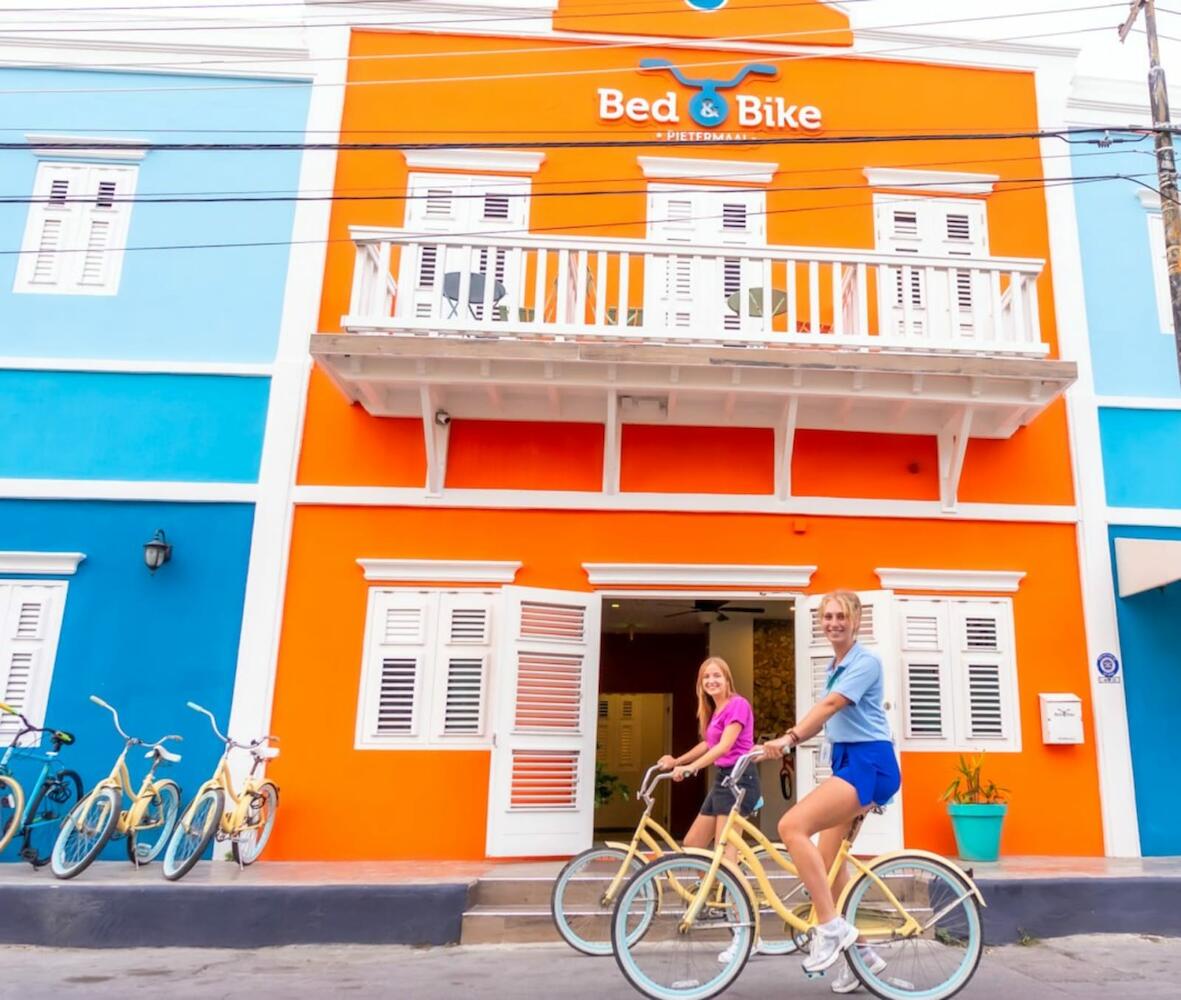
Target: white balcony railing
x: 563, y: 287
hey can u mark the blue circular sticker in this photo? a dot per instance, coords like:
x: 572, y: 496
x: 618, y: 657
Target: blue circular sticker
x: 1108, y: 665
x: 706, y: 4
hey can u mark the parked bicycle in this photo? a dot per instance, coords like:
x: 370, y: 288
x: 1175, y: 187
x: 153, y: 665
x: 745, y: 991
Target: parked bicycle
x: 147, y: 822
x: 583, y: 897
x: 247, y: 824
x: 918, y: 914
x: 35, y: 819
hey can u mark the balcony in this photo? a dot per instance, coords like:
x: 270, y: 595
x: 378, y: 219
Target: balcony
x: 567, y: 328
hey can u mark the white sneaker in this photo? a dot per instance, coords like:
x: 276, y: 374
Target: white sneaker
x: 847, y: 981
x: 828, y: 944
x: 727, y: 956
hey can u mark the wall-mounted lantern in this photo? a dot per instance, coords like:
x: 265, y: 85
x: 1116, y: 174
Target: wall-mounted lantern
x: 157, y: 552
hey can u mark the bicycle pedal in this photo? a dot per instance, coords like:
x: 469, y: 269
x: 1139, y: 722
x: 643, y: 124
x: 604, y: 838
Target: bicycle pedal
x: 814, y: 975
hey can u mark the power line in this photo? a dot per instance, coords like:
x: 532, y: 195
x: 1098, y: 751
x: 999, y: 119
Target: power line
x: 562, y: 229
x: 597, y: 71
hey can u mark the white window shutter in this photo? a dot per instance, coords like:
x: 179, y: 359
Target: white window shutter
x: 464, y: 645
x: 985, y: 671
x: 30, y: 622
x: 926, y: 677
x: 49, y: 230
x: 393, y: 688
x: 1160, y: 272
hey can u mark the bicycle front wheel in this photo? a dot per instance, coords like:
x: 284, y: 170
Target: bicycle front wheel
x: 260, y: 820
x: 149, y: 838
x: 661, y: 955
x: 193, y: 833
x: 12, y: 804
x: 85, y: 832
x: 934, y: 962
x: 582, y: 899
x: 53, y: 801
x: 776, y: 936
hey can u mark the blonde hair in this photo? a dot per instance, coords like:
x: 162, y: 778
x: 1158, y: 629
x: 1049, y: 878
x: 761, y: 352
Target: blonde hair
x: 705, y: 704
x: 849, y: 602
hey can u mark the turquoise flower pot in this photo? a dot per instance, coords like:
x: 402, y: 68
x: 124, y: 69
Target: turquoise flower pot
x: 977, y: 830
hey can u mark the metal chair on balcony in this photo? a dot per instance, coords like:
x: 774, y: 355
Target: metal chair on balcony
x: 477, y: 283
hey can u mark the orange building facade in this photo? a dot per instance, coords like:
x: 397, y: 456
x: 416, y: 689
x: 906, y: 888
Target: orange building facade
x: 650, y: 331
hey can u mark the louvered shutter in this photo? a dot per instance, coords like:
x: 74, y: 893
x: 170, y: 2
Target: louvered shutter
x: 984, y: 670
x: 926, y: 676
x: 103, y: 226
x: 30, y: 615
x: 459, y: 204
x: 52, y: 222
x: 541, y: 798
x: 464, y: 647
x: 394, y: 676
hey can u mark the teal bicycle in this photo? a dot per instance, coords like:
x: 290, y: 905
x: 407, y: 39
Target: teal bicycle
x: 35, y: 819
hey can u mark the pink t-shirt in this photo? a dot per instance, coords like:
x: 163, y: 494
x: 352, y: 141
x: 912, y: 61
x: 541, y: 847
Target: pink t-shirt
x: 737, y: 709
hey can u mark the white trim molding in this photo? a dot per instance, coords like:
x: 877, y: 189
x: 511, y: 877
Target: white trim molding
x: 1149, y: 199
x: 509, y: 161
x: 439, y: 570
x: 686, y: 168
x: 938, y: 181
x: 86, y: 147
x: 127, y: 489
x: 697, y: 575
x: 1138, y: 402
x: 133, y: 366
x: 40, y: 563
x: 968, y: 581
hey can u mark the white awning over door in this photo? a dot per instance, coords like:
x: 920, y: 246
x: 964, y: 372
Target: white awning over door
x: 1145, y: 563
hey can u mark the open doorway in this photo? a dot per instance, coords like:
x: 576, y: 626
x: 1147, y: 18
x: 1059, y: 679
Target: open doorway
x: 650, y: 650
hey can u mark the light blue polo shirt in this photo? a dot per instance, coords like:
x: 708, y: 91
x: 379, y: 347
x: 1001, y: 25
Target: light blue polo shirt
x: 859, y: 678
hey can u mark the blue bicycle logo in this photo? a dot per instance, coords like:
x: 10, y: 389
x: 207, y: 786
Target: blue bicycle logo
x: 709, y: 108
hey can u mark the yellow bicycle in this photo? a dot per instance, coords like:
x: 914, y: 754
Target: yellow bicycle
x: 918, y: 913
x: 246, y: 824
x: 584, y: 893
x: 146, y: 823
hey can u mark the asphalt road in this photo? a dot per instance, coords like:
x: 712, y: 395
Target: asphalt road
x: 1129, y: 967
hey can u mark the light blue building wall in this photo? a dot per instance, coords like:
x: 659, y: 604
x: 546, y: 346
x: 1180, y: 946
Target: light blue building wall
x: 211, y: 302
x: 159, y: 390
x: 1138, y: 395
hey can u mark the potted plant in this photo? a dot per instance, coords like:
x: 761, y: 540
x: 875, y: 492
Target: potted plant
x: 607, y: 786
x: 977, y: 809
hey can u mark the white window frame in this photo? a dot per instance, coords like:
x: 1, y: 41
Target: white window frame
x: 952, y: 661
x: 1160, y: 274
x: 81, y: 210
x: 43, y: 645
x: 435, y: 655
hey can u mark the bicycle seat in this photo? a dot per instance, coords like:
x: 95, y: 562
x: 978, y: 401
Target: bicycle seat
x: 267, y: 753
x: 168, y: 755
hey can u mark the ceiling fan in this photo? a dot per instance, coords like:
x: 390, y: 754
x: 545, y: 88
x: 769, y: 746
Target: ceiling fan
x: 716, y: 608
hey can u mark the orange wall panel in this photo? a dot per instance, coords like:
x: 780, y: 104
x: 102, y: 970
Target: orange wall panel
x: 663, y: 459
x: 515, y: 455
x: 320, y: 652
x: 844, y: 464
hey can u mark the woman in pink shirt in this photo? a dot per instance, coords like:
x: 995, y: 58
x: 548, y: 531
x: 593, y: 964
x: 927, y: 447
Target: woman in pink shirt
x: 726, y: 723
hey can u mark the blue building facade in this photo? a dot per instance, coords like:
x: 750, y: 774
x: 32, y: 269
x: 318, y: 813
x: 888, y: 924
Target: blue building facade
x: 1136, y: 400
x: 141, y: 298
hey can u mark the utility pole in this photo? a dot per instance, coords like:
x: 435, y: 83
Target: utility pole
x: 1166, y: 164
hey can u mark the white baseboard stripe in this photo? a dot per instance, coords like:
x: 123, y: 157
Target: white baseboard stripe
x: 112, y: 489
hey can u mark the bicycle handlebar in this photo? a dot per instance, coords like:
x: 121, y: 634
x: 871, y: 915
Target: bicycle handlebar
x: 741, y: 764
x: 212, y: 721
x: 102, y: 704
x: 230, y: 743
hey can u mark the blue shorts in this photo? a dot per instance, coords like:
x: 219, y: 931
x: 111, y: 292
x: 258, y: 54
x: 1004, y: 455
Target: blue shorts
x: 869, y: 767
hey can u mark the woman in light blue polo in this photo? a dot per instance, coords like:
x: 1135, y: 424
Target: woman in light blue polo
x: 864, y: 774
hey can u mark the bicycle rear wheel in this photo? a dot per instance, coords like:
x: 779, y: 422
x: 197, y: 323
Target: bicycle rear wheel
x: 579, y: 904
x: 936, y: 962
x: 668, y: 961
x: 193, y: 833
x: 52, y: 803
x: 147, y: 840
x: 85, y: 832
x: 12, y: 804
x: 260, y: 820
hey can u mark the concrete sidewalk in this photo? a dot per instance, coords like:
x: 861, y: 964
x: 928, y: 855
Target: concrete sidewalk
x: 423, y: 903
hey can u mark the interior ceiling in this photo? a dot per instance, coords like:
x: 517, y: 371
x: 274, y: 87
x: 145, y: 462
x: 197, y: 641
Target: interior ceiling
x: 663, y: 616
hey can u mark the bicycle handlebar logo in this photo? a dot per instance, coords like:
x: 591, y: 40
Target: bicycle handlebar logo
x: 709, y: 108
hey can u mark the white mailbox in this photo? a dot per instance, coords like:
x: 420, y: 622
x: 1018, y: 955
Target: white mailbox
x: 1062, y: 718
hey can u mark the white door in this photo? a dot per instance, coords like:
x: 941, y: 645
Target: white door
x: 541, y: 788
x: 880, y: 833
x: 458, y: 204
x: 687, y: 292
x: 30, y: 622
x: 917, y: 302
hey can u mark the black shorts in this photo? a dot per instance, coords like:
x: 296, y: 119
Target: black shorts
x: 720, y: 799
